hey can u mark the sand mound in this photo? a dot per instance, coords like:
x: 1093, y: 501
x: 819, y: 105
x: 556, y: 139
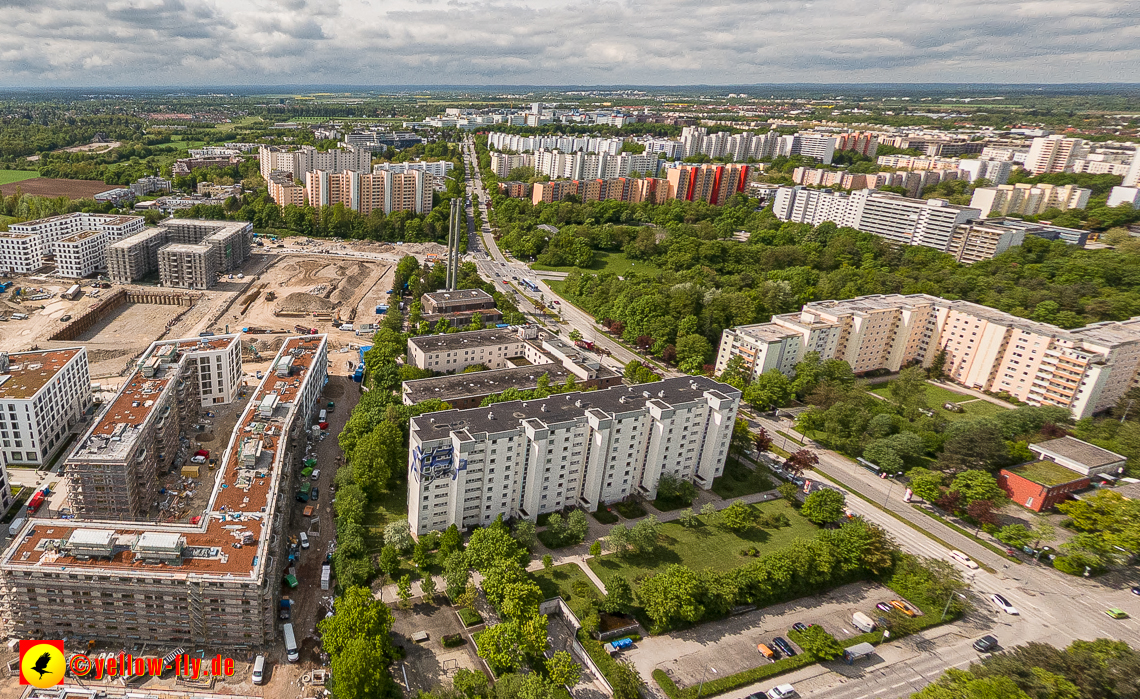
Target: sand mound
x: 308, y: 303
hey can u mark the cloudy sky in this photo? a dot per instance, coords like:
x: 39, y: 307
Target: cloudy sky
x: 582, y: 42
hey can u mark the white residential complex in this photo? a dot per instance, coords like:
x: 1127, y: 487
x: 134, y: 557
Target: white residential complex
x: 454, y: 352
x: 1086, y: 370
x: 589, y: 166
x: 526, y: 458
x: 566, y: 144
x: 926, y: 222
x: 1054, y: 154
x: 1028, y: 199
x: 307, y: 158
x: 26, y: 246
x: 437, y: 168
x: 42, y: 395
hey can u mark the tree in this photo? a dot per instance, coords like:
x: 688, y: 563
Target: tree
x: 357, y: 615
x: 770, y: 389
x: 596, y: 548
x: 672, y: 489
x: 738, y: 517
x: 625, y: 681
x: 762, y: 440
x: 976, y: 444
x: 618, y: 540
x: 619, y: 595
x: 818, y: 643
x: 404, y: 590
x: 709, y: 511
x: 693, y: 351
x: 671, y: 596
x: 547, y: 562
x: 575, y: 335
x: 643, y: 536
x: 491, y: 544
x: 389, y: 561
x: 800, y: 461
x: 526, y: 534
x: 398, y: 534
x: 982, y: 512
x: 361, y: 671
x: 455, y: 575
x: 688, y: 518
x: 577, y: 526
x: 563, y: 670
x: 421, y: 554
x: 377, y: 456
x: 882, y: 455
x: 824, y: 506
x: 925, y: 483
x: 507, y: 646
x: 789, y: 492
x: 471, y: 683
x: 450, y: 542
x: 977, y: 485
x: 427, y: 588
x: 511, y: 589
x: 908, y: 391
x: 736, y: 373
x: 1015, y: 535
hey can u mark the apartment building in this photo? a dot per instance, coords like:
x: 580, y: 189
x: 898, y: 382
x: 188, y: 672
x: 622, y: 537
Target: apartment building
x: 863, y: 143
x: 196, y: 251
x: 709, y: 183
x: 1086, y: 370
x: 762, y: 347
x: 213, y: 580
x: 503, y: 163
x: 544, y: 355
x: 566, y: 144
x: 148, y: 185
x: 514, y: 189
x: 184, y: 166
x: 525, y: 458
x: 1125, y: 195
x: 979, y: 240
x: 1029, y: 199
x: 810, y: 145
x: 994, y: 171
x: 1054, y: 154
x: 584, y: 166
x: 436, y: 168
x: 27, y: 247
x: 628, y: 189
x: 385, y: 190
x: 82, y: 254
x: 43, y: 394
x: 1132, y: 177
x: 917, y: 162
x: 112, y: 471
x: 306, y: 159
x: 454, y: 352
x: 284, y: 191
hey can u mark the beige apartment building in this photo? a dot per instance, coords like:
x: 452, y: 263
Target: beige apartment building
x: 1028, y: 199
x: 1086, y: 370
x: 215, y: 579
x: 384, y: 191
x: 1053, y: 154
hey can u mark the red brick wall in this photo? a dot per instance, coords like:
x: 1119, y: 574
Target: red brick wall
x: 1035, y: 496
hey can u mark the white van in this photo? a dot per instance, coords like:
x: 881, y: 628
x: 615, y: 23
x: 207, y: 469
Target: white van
x: 16, y: 525
x: 259, y: 670
x: 323, y: 416
x: 292, y: 654
x: 963, y: 559
x: 862, y: 622
x: 304, y: 540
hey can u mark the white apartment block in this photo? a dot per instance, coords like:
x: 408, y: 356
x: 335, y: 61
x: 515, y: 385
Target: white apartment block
x: 589, y: 166
x: 81, y: 254
x: 1086, y: 370
x: 42, y: 395
x: 1132, y: 177
x: 503, y: 163
x: 307, y: 158
x: 1028, y: 199
x: 926, y: 222
x: 995, y: 171
x: 454, y: 352
x: 1054, y: 154
x: 25, y: 247
x: 566, y: 144
x: 436, y: 168
x: 526, y: 458
x: 1125, y: 195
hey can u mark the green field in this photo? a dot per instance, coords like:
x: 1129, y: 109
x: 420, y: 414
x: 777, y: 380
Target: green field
x: 10, y: 176
x: 740, y: 480
x: 559, y: 581
x: 936, y: 396
x: 705, y: 546
x: 244, y: 121
x: 615, y: 262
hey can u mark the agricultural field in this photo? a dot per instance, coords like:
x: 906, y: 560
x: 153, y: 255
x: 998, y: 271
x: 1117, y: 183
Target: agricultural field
x: 10, y: 176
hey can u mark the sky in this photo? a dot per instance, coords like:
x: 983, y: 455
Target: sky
x: 75, y: 43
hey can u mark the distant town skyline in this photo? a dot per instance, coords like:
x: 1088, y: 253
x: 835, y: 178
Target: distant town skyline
x: 541, y: 42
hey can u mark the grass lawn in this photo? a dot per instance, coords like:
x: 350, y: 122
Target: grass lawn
x: 10, y: 176
x: 604, y: 261
x: 937, y: 395
x: 559, y: 582
x: 705, y: 546
x: 739, y: 480
x: 392, y: 505
x: 244, y: 121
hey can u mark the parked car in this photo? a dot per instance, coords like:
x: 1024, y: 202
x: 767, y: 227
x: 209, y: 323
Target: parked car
x: 784, y: 646
x: 1136, y: 590
x: 316, y: 474
x: 883, y: 607
x: 963, y: 559
x: 304, y: 540
x: 314, y: 494
x: 766, y: 651
x: 985, y: 644
x: 1004, y: 605
x: 902, y: 607
x: 782, y: 691
x: 1116, y: 613
x: 799, y: 627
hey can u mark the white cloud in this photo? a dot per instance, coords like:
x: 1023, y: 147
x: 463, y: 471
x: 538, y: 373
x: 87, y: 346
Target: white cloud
x: 213, y: 42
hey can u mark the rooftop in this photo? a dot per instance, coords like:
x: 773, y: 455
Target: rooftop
x: 1089, y: 455
x: 465, y: 295
x: 1046, y: 473
x: 464, y: 340
x: 563, y: 407
x: 82, y: 235
x: 480, y: 383
x: 232, y: 539
x: 768, y: 332
x: 28, y: 372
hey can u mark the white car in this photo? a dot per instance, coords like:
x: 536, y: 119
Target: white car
x: 316, y: 474
x: 1004, y: 605
x: 963, y: 559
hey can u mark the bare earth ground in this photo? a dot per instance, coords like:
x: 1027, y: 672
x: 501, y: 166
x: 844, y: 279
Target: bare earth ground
x: 53, y: 187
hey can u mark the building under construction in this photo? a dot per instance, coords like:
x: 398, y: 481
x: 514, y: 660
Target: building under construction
x: 187, y: 253
x: 214, y: 581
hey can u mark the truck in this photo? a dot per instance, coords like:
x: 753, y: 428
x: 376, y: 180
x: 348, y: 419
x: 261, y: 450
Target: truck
x: 36, y: 500
x: 72, y: 292
x: 862, y: 622
x: 303, y: 492
x: 326, y: 573
x: 300, y: 329
x: 584, y: 344
x: 286, y: 609
x: 16, y: 525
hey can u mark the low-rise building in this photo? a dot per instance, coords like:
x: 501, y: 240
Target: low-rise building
x: 444, y: 302
x: 1080, y: 456
x: 454, y: 352
x: 1040, y: 485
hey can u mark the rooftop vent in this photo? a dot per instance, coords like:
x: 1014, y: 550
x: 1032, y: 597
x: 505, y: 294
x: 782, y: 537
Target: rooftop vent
x: 490, y: 416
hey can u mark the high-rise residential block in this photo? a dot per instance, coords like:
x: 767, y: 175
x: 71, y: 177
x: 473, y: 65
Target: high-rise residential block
x: 43, y: 394
x: 384, y: 191
x: 306, y: 159
x: 1028, y: 199
x: 712, y: 184
x: 284, y: 191
x: 526, y: 458
x: 1053, y: 154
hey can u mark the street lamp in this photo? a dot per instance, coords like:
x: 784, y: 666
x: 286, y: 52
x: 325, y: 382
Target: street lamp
x: 702, y: 684
x: 949, y: 599
x: 890, y: 486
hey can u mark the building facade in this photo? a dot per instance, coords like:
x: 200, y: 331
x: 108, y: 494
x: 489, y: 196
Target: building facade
x: 26, y: 246
x: 187, y: 253
x: 385, y: 191
x: 1028, y: 200
x: 526, y: 458
x: 1049, y: 154
x: 712, y: 184
x: 43, y: 394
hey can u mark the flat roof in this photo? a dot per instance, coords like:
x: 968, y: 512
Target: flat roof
x: 445, y: 297
x: 465, y: 340
x: 478, y: 383
x: 241, y: 505
x: 1048, y: 473
x: 561, y: 407
x: 1089, y: 455
x: 769, y: 332
x: 29, y: 372
x: 82, y: 235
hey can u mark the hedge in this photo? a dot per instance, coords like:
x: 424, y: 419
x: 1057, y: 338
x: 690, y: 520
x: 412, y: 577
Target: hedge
x: 470, y: 617
x: 598, y: 654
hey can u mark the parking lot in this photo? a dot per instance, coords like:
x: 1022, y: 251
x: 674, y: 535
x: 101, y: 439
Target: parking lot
x: 729, y: 646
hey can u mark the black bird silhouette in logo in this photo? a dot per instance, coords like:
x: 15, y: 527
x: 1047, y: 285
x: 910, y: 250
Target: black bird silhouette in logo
x: 41, y: 665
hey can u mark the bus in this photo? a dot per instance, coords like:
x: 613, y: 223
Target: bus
x: 528, y: 284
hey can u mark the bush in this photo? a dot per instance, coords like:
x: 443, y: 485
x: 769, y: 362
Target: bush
x: 630, y: 509
x: 605, y: 516
x: 470, y: 617
x: 452, y: 640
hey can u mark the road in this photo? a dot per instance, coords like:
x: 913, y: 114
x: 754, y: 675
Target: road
x: 1055, y: 608
x: 493, y: 265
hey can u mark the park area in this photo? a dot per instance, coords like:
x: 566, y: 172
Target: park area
x: 972, y: 408
x: 615, y: 262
